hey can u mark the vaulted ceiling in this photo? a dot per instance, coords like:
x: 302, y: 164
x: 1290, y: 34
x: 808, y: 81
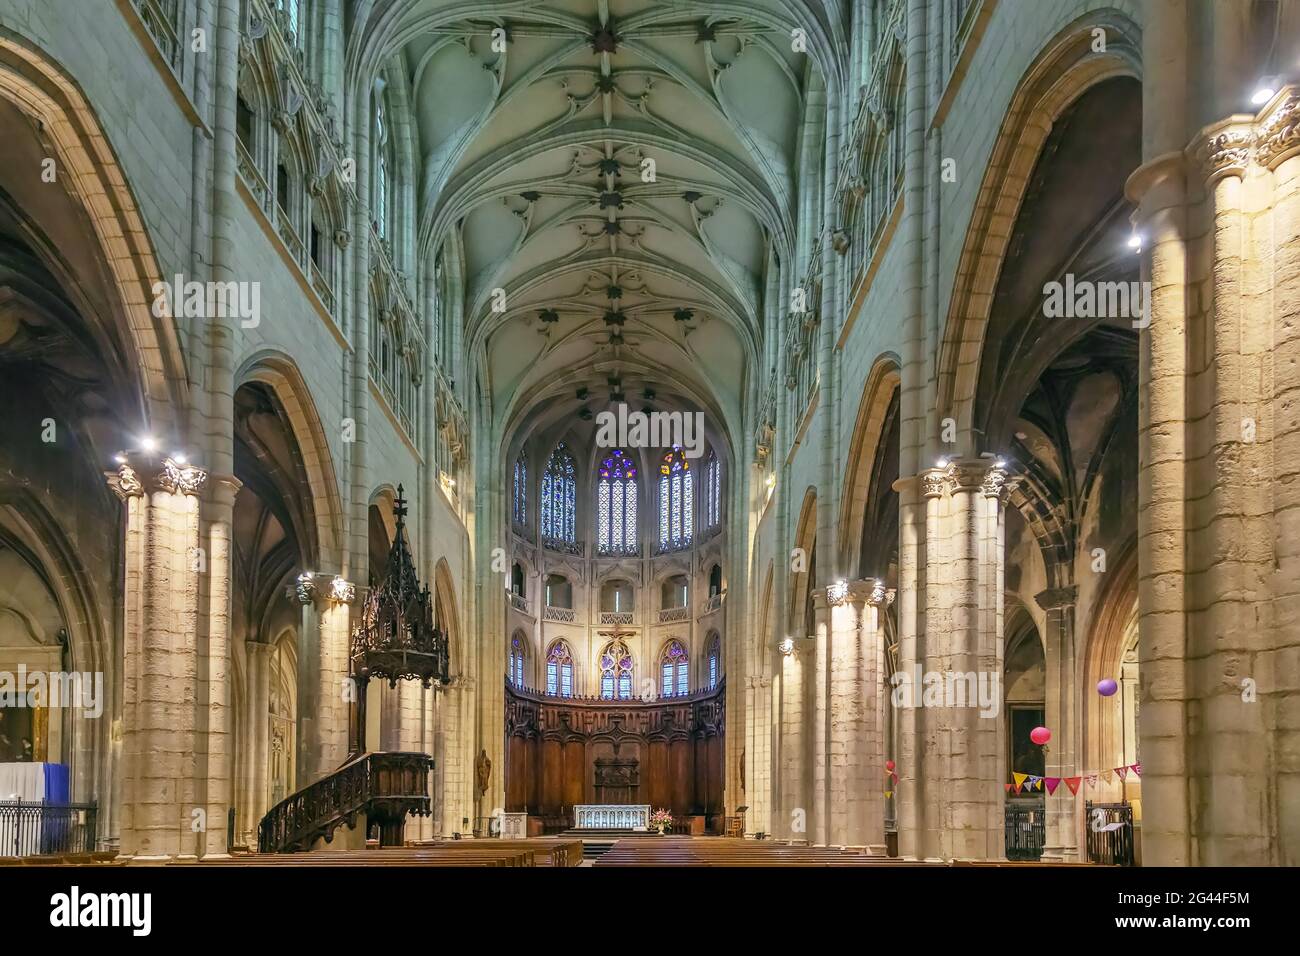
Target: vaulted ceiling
x: 622, y: 170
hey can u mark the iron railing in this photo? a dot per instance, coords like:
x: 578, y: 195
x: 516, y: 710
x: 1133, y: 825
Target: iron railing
x: 1024, y: 825
x: 1110, y: 833
x: 45, y: 829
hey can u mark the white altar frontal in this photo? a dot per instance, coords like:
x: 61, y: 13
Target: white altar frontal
x: 604, y: 816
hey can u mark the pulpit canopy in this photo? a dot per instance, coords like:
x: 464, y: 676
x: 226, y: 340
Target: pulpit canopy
x: 395, y: 638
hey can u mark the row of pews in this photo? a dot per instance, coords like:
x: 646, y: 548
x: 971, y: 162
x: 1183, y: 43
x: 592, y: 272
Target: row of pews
x: 733, y: 851
x: 537, y: 852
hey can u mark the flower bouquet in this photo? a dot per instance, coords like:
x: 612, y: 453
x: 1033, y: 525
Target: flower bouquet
x: 662, y: 820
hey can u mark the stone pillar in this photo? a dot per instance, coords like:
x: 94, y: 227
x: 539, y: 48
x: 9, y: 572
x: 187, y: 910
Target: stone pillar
x: 1217, y: 490
x: 257, y: 746
x: 820, y: 811
x: 215, y: 751
x: 309, y: 598
x: 757, y: 767
x: 956, y: 689
x: 792, y: 823
x: 857, y: 815
x: 160, y: 658
x: 909, y: 792
x: 337, y: 690
x: 1062, y: 714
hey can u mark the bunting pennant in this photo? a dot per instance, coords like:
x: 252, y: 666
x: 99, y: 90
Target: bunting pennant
x: 1006, y: 787
x: 1032, y: 782
x: 889, y: 793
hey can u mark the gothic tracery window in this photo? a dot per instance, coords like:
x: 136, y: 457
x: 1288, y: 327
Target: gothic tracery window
x: 559, y: 494
x: 521, y: 491
x: 712, y: 492
x: 714, y: 660
x: 616, y: 672
x: 559, y: 671
x: 382, y: 162
x: 674, y: 669
x: 676, y: 501
x: 616, y: 505
x: 518, y: 655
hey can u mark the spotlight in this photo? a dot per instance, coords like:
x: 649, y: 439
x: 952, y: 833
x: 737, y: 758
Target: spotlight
x: 148, y: 443
x: 120, y: 458
x: 941, y: 463
x: 179, y: 458
x: 1135, y: 242
x: 786, y: 646
x: 1000, y: 463
x: 1265, y: 91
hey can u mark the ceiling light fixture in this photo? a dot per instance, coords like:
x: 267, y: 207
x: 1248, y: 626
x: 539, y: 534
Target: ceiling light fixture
x: 1266, y: 90
x: 148, y: 443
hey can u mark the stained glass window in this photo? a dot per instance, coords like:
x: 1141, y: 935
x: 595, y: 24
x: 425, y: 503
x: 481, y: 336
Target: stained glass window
x: 616, y: 672
x: 517, y: 655
x: 521, y: 492
x: 715, y: 652
x: 673, y: 665
x: 616, y: 501
x: 712, y: 492
x: 380, y: 200
x: 676, y: 501
x: 559, y: 671
x: 559, y: 492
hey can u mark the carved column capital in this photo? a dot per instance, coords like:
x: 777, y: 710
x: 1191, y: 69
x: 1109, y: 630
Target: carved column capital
x: 1277, y: 131
x: 1057, y: 599
x: 168, y: 475
x: 1223, y: 149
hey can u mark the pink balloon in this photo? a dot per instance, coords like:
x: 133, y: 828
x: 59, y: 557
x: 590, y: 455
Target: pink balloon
x: 1107, y: 687
x: 1040, y: 735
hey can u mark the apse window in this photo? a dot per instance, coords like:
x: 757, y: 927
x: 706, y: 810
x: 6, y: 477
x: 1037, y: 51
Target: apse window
x: 616, y: 672
x: 559, y: 671
x: 674, y: 667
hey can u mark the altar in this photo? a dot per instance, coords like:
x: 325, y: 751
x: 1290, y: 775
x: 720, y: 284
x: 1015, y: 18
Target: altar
x: 605, y: 816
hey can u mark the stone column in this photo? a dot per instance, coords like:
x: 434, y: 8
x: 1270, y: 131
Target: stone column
x: 309, y: 598
x: 160, y: 658
x: 757, y: 767
x: 820, y: 811
x: 793, y: 820
x: 1062, y: 714
x: 337, y: 690
x: 956, y: 691
x: 257, y: 747
x: 856, y: 752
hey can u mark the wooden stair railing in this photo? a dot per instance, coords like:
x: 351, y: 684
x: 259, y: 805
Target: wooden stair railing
x: 381, y: 787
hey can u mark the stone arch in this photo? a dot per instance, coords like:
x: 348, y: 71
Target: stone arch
x: 805, y: 539
x: 278, y: 371
x: 444, y: 589
x: 93, y: 176
x: 868, y: 432
x: 1063, y: 71
x: 1115, y: 623
x: 38, y: 539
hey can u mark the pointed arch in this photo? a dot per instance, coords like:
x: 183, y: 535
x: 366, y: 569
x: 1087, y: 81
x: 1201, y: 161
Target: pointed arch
x: 559, y: 670
x: 616, y: 505
x: 94, y: 178
x: 878, y: 394
x: 676, y: 501
x: 1065, y: 69
x: 558, y: 507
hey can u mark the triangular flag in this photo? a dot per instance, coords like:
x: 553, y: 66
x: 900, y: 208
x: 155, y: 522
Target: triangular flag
x: 1123, y: 772
x: 1038, y: 784
x: 1019, y: 778
x: 894, y: 776
x: 1137, y: 769
x: 1092, y: 779
x: 1052, y: 784
x: 1072, y: 783
x: 1106, y: 775
x: 1017, y: 788
x: 889, y: 793
x: 1006, y: 787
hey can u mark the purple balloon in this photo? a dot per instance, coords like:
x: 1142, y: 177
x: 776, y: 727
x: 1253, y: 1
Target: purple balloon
x: 1107, y: 687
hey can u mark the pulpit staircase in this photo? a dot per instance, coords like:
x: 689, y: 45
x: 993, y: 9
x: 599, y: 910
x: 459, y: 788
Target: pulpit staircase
x: 375, y: 788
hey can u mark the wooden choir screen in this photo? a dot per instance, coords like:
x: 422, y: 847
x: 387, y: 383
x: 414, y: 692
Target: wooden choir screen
x: 565, y: 751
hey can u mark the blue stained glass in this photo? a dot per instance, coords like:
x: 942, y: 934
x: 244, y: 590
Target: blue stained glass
x: 616, y: 499
x: 559, y: 491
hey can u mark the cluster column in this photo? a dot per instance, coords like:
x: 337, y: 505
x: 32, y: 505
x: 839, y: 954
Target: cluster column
x: 161, y: 813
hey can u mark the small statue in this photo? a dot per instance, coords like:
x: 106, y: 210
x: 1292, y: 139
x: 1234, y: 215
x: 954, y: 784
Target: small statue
x: 483, y: 770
